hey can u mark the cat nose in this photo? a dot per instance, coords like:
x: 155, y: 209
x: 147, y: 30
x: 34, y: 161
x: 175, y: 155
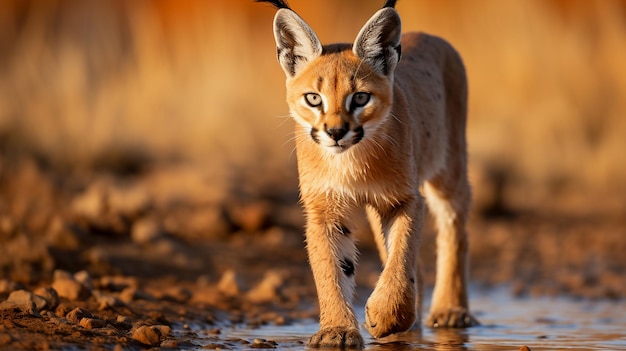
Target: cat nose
x: 336, y: 133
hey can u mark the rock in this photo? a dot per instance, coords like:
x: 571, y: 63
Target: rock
x: 107, y: 301
x: 92, y: 323
x: 169, y: 344
x: 50, y: 295
x: 59, y: 235
x: 525, y: 348
x: 146, y: 231
x: 62, y: 310
x: 148, y: 335
x: 84, y: 278
x: 263, y: 344
x: 129, y: 202
x: 123, y: 322
x: 7, y: 286
x: 229, y: 283
x: 68, y: 287
x: 117, y: 283
x: 77, y: 314
x: 25, y: 300
x: 131, y: 293
x: 92, y: 202
x: 250, y: 216
x: 268, y: 289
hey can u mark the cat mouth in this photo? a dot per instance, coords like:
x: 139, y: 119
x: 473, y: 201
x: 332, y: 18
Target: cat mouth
x: 338, y: 145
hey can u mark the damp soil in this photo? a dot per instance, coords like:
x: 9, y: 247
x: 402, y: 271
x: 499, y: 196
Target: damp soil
x: 171, y: 259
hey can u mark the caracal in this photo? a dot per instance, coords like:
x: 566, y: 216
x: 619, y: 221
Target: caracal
x: 387, y: 135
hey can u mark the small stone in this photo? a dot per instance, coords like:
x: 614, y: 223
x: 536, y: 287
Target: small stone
x: 169, y: 344
x: 268, y: 289
x: 525, y: 348
x: 7, y: 286
x: 77, y: 314
x: 70, y: 289
x: 84, y: 278
x: 24, y: 299
x: 263, y: 344
x: 146, y: 231
x: 50, y: 295
x: 91, y: 203
x: 229, y: 283
x: 92, y: 323
x: 147, y: 335
x: 123, y: 322
x: 129, y: 294
x: 62, y: 310
x: 67, y: 286
x: 163, y: 329
x: 107, y: 301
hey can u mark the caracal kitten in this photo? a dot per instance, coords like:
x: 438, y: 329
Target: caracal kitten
x: 387, y: 135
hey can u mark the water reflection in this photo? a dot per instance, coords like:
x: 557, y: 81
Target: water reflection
x: 440, y: 340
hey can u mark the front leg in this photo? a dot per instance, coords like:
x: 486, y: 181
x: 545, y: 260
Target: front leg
x: 393, y: 306
x: 332, y: 255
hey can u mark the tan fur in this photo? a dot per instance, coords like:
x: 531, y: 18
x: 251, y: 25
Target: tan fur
x: 413, y: 138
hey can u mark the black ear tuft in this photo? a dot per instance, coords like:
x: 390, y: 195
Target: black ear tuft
x: 388, y: 3
x: 278, y: 4
x: 378, y: 42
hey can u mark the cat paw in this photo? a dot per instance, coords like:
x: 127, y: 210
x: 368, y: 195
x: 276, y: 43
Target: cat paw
x: 452, y: 318
x: 336, y: 337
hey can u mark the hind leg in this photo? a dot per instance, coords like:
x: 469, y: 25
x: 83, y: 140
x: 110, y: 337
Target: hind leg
x: 449, y: 200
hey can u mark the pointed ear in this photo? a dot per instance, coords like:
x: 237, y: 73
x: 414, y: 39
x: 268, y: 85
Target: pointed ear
x: 296, y: 43
x: 378, y: 42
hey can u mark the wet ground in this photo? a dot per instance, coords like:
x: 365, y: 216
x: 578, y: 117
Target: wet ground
x: 508, y: 323
x: 170, y: 259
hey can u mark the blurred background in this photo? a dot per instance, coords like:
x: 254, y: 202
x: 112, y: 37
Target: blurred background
x: 124, y: 87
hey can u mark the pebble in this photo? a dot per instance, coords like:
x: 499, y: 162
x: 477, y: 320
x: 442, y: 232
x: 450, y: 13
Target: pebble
x: 229, y: 283
x: 91, y: 203
x: 169, y: 344
x: 268, y: 289
x: 62, y: 310
x: 25, y: 300
x: 92, y: 323
x: 149, y: 335
x: 263, y: 344
x: 146, y: 231
x: 6, y: 286
x: 84, y: 278
x: 123, y: 322
x: 77, y: 314
x: 50, y: 295
x: 107, y: 301
x: 68, y: 287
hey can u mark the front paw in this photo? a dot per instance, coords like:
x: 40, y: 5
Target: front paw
x: 386, y: 315
x: 452, y: 318
x: 337, y: 337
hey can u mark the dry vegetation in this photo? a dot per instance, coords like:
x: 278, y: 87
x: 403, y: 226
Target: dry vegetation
x: 93, y: 81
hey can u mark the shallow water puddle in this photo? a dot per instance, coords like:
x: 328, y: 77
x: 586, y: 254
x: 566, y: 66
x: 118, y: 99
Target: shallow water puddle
x: 507, y: 324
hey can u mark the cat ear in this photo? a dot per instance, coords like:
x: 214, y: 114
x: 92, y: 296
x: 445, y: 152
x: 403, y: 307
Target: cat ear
x: 378, y: 42
x: 296, y: 42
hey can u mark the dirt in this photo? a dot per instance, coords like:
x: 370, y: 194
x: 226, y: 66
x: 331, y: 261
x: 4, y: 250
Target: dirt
x: 166, y: 256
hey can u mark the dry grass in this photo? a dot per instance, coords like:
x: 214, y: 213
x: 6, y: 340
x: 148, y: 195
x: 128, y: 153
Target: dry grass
x: 198, y: 80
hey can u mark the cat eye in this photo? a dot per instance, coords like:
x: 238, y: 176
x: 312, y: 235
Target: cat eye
x: 360, y: 99
x: 313, y: 99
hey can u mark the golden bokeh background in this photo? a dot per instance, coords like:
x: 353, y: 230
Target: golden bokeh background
x: 197, y: 81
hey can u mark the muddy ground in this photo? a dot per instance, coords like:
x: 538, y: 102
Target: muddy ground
x: 134, y: 258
